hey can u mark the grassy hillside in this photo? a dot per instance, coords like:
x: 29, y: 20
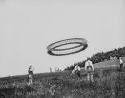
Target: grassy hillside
x: 108, y: 82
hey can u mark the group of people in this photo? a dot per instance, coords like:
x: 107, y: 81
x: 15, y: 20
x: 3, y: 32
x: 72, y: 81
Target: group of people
x: 89, y: 68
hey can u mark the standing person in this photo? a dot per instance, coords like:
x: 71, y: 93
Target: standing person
x: 121, y: 63
x: 52, y: 90
x: 50, y: 69
x: 76, y: 71
x: 30, y: 71
x: 90, y: 69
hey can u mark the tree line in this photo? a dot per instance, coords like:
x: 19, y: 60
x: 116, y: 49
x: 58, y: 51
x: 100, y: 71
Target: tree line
x: 100, y: 57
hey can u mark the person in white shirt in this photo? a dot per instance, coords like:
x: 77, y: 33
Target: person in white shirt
x: 90, y: 69
x: 76, y: 71
x: 121, y: 63
x: 30, y: 71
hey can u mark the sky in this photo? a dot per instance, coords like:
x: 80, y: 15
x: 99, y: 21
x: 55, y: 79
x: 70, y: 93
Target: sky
x: 27, y: 27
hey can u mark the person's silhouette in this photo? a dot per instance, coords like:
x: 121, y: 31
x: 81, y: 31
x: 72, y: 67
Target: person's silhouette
x: 30, y: 71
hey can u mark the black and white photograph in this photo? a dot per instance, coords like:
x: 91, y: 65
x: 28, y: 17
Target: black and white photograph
x: 62, y: 48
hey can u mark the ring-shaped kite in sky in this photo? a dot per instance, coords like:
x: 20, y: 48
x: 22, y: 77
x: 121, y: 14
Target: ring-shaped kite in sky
x: 56, y: 50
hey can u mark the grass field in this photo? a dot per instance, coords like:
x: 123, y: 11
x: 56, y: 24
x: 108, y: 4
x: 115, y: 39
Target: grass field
x: 109, y: 82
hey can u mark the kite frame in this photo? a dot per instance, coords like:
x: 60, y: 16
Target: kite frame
x: 81, y: 43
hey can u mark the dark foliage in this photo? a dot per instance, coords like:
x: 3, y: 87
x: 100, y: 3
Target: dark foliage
x: 101, y: 56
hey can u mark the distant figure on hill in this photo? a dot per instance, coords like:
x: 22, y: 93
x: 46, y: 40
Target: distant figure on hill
x: 121, y: 63
x: 90, y: 69
x: 76, y: 71
x: 30, y: 71
x: 50, y: 69
x: 52, y: 90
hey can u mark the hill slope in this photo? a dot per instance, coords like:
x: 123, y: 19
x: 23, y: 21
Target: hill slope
x: 107, y: 79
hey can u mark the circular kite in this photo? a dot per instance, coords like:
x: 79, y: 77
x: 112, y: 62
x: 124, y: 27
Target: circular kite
x: 76, y: 45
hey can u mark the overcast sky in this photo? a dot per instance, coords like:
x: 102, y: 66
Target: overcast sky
x: 28, y: 26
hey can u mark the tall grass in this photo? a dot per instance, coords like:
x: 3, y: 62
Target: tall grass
x: 108, y: 83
